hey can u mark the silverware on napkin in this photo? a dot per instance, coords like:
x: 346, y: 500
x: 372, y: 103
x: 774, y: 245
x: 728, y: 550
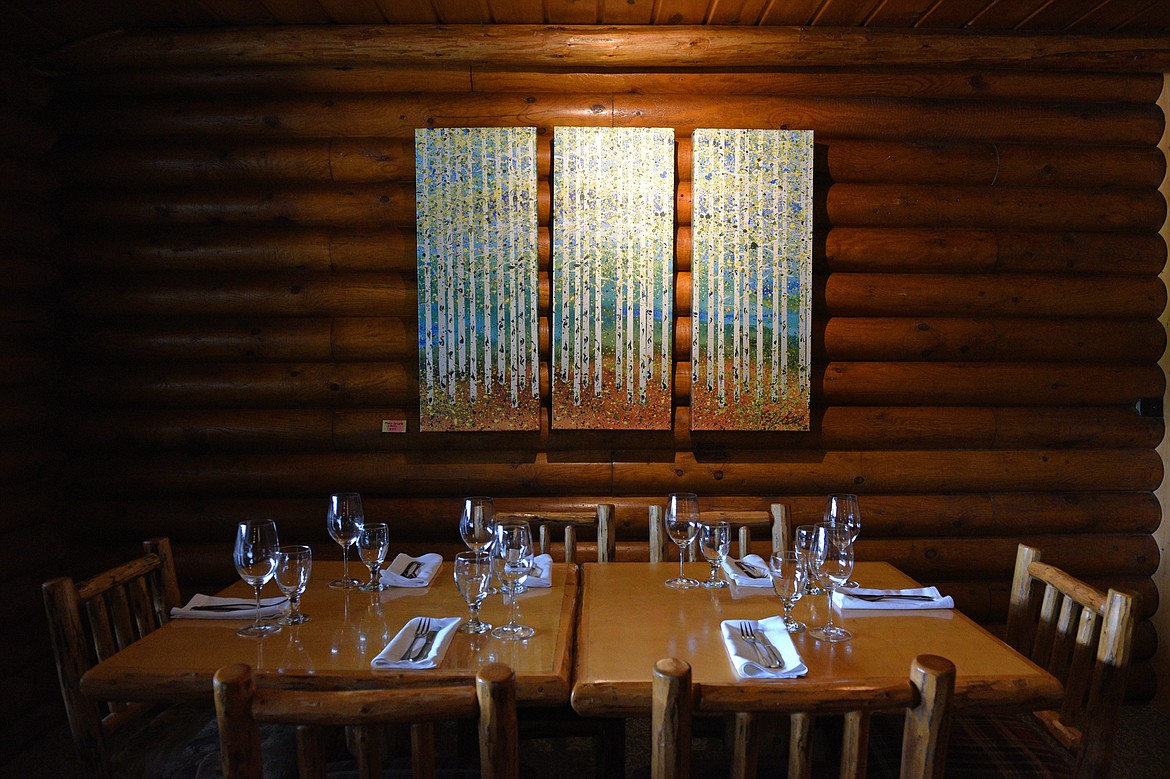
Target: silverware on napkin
x: 236, y: 606
x: 749, y: 569
x: 888, y: 596
x: 412, y: 569
x: 428, y: 642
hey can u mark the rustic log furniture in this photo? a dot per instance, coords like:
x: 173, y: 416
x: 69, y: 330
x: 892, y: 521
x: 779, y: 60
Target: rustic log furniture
x: 629, y: 620
x: 777, y: 519
x: 601, y: 520
x: 240, y: 706
x: 1084, y: 637
x: 347, y: 630
x: 91, y: 621
x: 927, y: 699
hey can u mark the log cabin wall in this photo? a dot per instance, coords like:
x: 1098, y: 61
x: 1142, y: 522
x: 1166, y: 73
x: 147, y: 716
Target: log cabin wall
x: 240, y: 302
x: 29, y: 452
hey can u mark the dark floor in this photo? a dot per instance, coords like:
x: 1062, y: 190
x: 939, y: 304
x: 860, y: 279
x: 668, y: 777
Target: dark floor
x: 1143, y: 752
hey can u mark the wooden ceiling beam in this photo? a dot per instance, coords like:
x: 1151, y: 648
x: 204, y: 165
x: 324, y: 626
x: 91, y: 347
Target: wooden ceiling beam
x: 629, y: 47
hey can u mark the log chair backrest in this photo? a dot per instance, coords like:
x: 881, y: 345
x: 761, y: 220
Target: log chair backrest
x: 93, y: 619
x: 777, y: 519
x: 927, y: 699
x: 1084, y: 637
x: 240, y: 708
x: 600, y: 521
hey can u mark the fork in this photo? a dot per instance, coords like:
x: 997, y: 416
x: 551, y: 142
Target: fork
x: 424, y: 625
x: 763, y: 651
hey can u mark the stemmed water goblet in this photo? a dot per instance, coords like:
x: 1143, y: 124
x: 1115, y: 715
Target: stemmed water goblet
x: 832, y: 562
x: 345, y: 520
x: 788, y: 580
x: 255, y: 558
x: 293, y: 566
x: 373, y: 543
x: 803, y: 538
x: 715, y: 543
x: 477, y: 526
x: 841, y: 511
x: 511, y: 562
x: 473, y: 574
x: 682, y: 522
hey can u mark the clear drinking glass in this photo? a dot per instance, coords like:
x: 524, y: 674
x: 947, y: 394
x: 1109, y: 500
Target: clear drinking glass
x: 842, y: 512
x: 372, y: 543
x: 511, y: 561
x: 832, y: 562
x: 345, y: 520
x: 473, y: 574
x: 293, y: 566
x: 788, y: 579
x: 255, y: 559
x: 682, y: 522
x: 803, y: 539
x: 715, y: 543
x: 477, y: 526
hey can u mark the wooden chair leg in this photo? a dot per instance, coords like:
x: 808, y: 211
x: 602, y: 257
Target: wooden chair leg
x: 611, y: 752
x: 800, y: 746
x: 670, y: 720
x: 745, y: 746
x: 422, y: 749
x: 855, y: 745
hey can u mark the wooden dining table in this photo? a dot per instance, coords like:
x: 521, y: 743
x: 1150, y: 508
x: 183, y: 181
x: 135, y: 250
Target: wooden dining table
x: 630, y: 619
x: 347, y: 629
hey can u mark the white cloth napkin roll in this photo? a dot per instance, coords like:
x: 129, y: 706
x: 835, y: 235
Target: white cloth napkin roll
x: 844, y: 599
x: 744, y: 659
x: 429, y: 565
x: 540, y: 575
x: 391, y: 656
x: 269, y: 607
x: 742, y: 579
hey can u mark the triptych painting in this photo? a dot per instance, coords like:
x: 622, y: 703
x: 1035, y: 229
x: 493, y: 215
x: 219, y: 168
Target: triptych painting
x: 612, y: 279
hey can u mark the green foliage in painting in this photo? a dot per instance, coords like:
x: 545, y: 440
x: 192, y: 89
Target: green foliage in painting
x: 751, y: 276
x: 476, y: 204
x: 613, y: 283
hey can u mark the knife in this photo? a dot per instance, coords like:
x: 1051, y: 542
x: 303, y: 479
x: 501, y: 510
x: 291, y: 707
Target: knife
x: 421, y: 654
x: 411, y: 570
x: 750, y: 570
x: 767, y: 642
x: 235, y: 606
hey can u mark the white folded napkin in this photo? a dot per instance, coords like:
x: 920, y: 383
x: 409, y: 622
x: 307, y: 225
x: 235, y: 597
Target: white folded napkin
x: 421, y: 574
x: 213, y: 607
x: 744, y: 659
x: 846, y: 599
x: 540, y: 575
x: 391, y: 656
x: 752, y: 562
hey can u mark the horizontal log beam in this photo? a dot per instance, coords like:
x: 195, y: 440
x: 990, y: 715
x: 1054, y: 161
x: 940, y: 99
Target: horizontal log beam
x: 585, y: 47
x: 500, y: 472
x: 835, y: 427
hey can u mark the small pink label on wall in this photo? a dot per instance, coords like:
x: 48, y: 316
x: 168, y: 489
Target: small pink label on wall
x: 393, y: 425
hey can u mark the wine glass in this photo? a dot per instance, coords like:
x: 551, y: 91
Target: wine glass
x: 255, y: 559
x: 788, y: 579
x: 293, y: 566
x: 473, y: 573
x: 345, y: 521
x: 682, y: 522
x: 832, y: 562
x: 511, y: 561
x: 373, y: 541
x: 842, y: 512
x: 715, y: 543
x: 477, y: 525
x: 803, y: 538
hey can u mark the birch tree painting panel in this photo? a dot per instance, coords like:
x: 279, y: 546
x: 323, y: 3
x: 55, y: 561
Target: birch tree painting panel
x: 613, y: 277
x: 476, y: 203
x: 751, y: 279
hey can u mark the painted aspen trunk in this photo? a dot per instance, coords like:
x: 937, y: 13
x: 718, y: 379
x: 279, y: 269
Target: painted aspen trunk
x: 751, y: 279
x: 613, y: 277
x: 476, y: 203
